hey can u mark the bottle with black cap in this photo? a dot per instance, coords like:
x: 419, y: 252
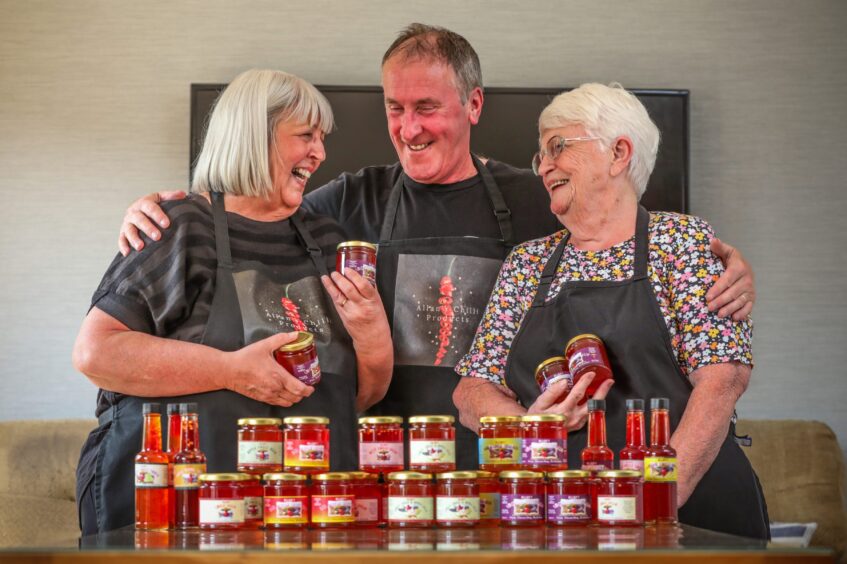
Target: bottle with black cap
x: 172, y: 411
x: 151, y: 474
x: 189, y: 463
x: 632, y: 455
x: 597, y: 455
x: 660, y: 467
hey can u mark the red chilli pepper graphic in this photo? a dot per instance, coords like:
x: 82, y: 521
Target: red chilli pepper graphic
x: 445, y: 308
x: 293, y: 314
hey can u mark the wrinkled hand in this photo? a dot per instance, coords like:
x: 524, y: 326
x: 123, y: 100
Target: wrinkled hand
x: 735, y: 292
x: 144, y: 214
x: 576, y: 415
x: 253, y: 372
x: 360, y: 308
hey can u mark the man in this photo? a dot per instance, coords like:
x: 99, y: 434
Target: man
x: 444, y: 221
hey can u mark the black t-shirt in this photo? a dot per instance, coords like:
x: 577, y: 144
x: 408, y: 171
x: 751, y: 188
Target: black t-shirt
x: 358, y: 202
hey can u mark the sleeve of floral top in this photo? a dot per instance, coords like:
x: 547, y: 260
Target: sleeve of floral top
x: 702, y: 338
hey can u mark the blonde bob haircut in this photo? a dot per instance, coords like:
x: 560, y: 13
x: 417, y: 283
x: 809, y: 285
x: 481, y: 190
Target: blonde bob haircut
x: 234, y: 158
x: 608, y: 112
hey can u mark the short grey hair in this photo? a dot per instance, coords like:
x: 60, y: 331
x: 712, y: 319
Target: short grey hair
x: 608, y: 112
x: 234, y: 158
x: 422, y: 41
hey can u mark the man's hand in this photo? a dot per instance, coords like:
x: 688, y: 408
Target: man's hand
x: 575, y: 415
x: 735, y: 292
x: 145, y: 214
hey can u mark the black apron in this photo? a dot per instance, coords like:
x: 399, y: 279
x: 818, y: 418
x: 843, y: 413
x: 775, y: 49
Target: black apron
x: 626, y: 316
x: 418, y: 280
x: 247, y: 307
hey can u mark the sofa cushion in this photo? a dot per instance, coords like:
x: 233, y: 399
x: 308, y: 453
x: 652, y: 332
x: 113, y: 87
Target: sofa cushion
x: 34, y: 521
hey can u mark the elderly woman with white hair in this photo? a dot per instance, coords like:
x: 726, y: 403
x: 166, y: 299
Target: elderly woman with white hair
x: 636, y: 279
x: 197, y: 315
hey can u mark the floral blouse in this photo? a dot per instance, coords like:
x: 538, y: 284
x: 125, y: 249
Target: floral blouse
x: 681, y: 270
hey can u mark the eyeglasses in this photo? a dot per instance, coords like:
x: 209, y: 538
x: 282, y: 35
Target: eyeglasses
x: 555, y: 146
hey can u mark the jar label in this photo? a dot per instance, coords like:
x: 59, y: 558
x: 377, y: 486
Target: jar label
x: 410, y: 508
x: 568, y: 507
x: 363, y: 267
x: 519, y: 507
x: 306, y: 453
x: 253, y: 507
x: 499, y: 451
x: 489, y: 505
x: 427, y: 452
x: 286, y: 510
x: 381, y: 454
x: 332, y: 509
x: 660, y: 469
x: 186, y: 476
x: 451, y: 508
x: 151, y: 475
x: 259, y: 453
x: 547, y: 382
x: 615, y: 508
x: 633, y: 465
x: 597, y: 466
x: 366, y: 509
x: 308, y: 372
x: 585, y: 356
x: 544, y: 451
x: 218, y: 511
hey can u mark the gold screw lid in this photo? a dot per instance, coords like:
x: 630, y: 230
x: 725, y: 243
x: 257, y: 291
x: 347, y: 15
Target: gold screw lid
x: 544, y: 418
x: 550, y: 361
x: 306, y: 420
x: 583, y: 336
x: 284, y: 477
x: 364, y: 476
x: 380, y: 419
x: 333, y: 476
x: 400, y: 476
x: 461, y: 475
x: 619, y: 474
x: 569, y: 474
x: 485, y: 474
x: 303, y: 340
x: 232, y: 477
x: 520, y: 474
x: 432, y: 419
x: 347, y: 244
x: 500, y: 419
x: 260, y: 421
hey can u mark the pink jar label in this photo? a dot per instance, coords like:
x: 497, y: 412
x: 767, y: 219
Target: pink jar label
x: 597, y: 466
x: 521, y: 507
x: 367, y: 509
x: 568, y: 507
x: 633, y: 465
x: 544, y: 451
x: 586, y: 356
x: 381, y: 454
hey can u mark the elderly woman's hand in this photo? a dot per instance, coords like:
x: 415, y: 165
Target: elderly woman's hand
x: 254, y: 372
x: 359, y: 306
x: 734, y: 293
x: 145, y: 214
x: 576, y: 415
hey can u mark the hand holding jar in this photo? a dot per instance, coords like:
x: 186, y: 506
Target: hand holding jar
x: 550, y: 401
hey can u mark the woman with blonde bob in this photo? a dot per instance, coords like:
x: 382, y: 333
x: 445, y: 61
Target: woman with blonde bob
x: 636, y: 279
x: 197, y: 315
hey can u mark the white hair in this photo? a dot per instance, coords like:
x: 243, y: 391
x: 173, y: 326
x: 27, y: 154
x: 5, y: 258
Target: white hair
x: 608, y: 112
x: 234, y: 158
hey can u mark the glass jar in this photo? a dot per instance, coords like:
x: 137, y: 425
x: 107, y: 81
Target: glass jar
x: 457, y: 499
x: 620, y: 498
x: 380, y: 444
x: 569, y: 498
x: 359, y: 256
x: 522, y: 498
x: 300, y: 358
x: 489, y: 499
x: 306, y: 444
x: 333, y: 500
x: 368, y: 506
x: 551, y: 371
x: 500, y: 443
x: 259, y: 445
x: 432, y: 443
x: 544, y: 447
x: 286, y: 501
x: 254, y: 503
x: 586, y: 353
x: 410, y: 500
x: 222, y: 501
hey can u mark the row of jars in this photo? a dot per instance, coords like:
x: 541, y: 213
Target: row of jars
x: 413, y: 500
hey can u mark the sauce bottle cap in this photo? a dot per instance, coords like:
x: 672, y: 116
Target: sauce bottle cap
x: 635, y: 405
x: 186, y: 408
x: 596, y: 405
x: 660, y: 403
x: 150, y: 408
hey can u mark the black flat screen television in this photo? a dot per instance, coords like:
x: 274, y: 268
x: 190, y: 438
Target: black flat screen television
x: 507, y: 131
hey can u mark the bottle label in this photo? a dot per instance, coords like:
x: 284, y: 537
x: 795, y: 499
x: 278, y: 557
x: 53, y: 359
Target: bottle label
x: 489, y: 505
x: 286, y: 510
x: 410, y: 508
x: 306, y: 453
x: 186, y: 476
x: 568, y: 507
x: 520, y: 507
x: 151, y: 475
x: 544, y: 451
x: 308, y: 372
x: 586, y: 356
x: 363, y: 267
x: 215, y: 511
x: 381, y: 454
x: 366, y: 509
x: 660, y: 469
x: 253, y: 507
x: 499, y: 451
x: 429, y: 452
x: 633, y: 465
x: 259, y: 453
x: 332, y: 508
x: 597, y: 466
x: 449, y: 508
x: 615, y: 508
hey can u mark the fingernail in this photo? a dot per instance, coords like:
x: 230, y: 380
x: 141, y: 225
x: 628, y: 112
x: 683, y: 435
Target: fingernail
x: 156, y: 236
x: 163, y: 223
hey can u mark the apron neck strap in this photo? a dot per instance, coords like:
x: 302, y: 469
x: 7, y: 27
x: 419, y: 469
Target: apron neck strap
x: 221, y: 231
x: 549, y: 272
x: 315, y: 252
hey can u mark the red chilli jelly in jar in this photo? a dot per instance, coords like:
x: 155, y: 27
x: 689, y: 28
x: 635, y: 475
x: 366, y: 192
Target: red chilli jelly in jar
x: 410, y: 500
x: 522, y: 499
x: 359, y: 256
x: 489, y: 499
x: 620, y: 500
x: 586, y: 353
x: 254, y: 503
x: 286, y: 501
x: 457, y: 499
x: 432, y: 443
x: 551, y: 371
x: 306, y: 444
x: 544, y: 447
x: 300, y: 358
x: 500, y: 443
x: 569, y: 498
x: 259, y: 445
x: 380, y: 444
x: 333, y: 500
x: 222, y: 501
x: 368, y: 510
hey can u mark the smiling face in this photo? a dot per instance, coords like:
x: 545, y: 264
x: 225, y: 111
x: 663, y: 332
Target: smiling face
x: 295, y: 154
x: 429, y: 125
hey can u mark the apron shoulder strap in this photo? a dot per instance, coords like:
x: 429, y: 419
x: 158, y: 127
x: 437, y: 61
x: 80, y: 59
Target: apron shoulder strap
x: 549, y: 272
x: 501, y: 210
x: 221, y: 231
x: 642, y: 243
x: 314, y: 250
x: 391, y: 210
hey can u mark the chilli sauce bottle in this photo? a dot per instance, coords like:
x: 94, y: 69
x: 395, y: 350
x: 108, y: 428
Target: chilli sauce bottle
x: 189, y: 463
x: 151, y: 474
x: 596, y: 455
x: 660, y: 467
x: 174, y: 433
x: 632, y: 455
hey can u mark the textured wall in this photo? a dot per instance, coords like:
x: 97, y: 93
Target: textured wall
x: 94, y: 113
